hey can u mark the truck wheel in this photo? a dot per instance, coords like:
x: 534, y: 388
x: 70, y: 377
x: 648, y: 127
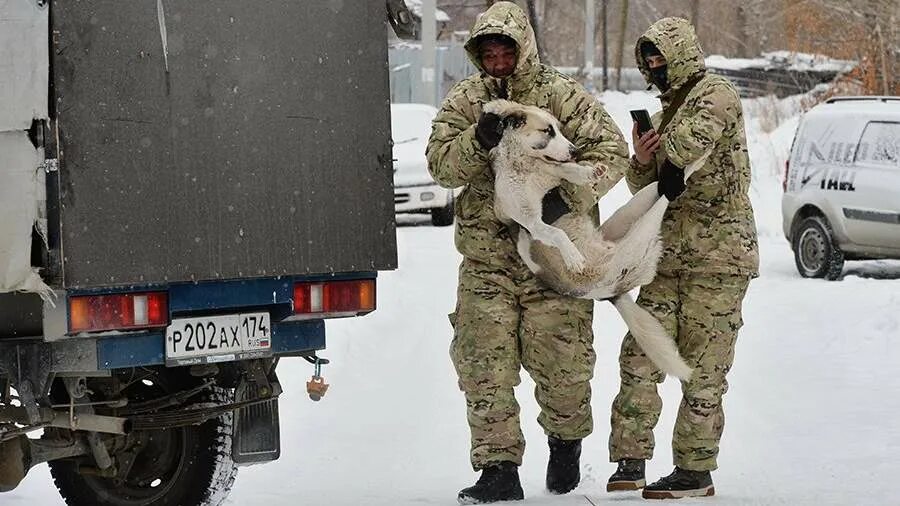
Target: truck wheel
x: 187, y: 466
x: 442, y: 216
x: 815, y: 253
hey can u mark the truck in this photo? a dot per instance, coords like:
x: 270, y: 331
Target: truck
x: 188, y: 192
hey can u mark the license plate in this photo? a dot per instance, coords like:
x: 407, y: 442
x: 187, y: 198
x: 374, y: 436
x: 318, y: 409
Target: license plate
x: 209, y: 339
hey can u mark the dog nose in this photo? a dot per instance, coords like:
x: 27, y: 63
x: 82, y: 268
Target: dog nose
x: 574, y: 151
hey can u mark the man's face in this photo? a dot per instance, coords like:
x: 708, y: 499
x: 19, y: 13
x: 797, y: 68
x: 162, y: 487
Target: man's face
x: 497, y: 58
x: 655, y: 61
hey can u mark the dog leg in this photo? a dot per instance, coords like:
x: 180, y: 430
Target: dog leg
x: 621, y: 221
x: 523, y: 245
x: 572, y: 172
x: 636, y: 255
x: 558, y: 239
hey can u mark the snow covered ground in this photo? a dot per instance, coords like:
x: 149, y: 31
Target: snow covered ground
x: 811, y: 411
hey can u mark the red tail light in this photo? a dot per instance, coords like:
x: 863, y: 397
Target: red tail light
x: 787, y: 168
x: 356, y: 297
x: 124, y: 311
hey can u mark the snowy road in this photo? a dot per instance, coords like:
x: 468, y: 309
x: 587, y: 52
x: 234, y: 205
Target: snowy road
x: 811, y: 411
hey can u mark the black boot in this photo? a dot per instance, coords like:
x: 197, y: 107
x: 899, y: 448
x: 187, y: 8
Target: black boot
x: 629, y: 475
x: 563, y: 469
x: 681, y: 483
x: 498, y: 482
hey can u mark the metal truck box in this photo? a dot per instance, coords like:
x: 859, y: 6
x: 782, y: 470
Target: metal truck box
x: 220, y: 139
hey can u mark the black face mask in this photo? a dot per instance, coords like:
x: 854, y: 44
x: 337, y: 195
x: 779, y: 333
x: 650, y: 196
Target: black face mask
x: 661, y: 77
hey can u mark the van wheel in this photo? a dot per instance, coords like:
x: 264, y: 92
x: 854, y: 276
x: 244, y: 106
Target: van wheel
x: 442, y: 216
x: 815, y: 253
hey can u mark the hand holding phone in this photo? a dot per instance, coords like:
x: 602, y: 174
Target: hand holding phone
x: 645, y: 139
x: 642, y: 118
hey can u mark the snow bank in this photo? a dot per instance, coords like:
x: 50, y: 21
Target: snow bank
x: 799, y: 62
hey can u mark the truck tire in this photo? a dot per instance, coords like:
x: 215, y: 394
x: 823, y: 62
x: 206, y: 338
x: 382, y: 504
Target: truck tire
x: 815, y: 253
x: 442, y: 216
x: 185, y: 466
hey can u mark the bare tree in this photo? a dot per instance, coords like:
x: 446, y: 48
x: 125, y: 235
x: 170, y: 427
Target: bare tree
x: 852, y: 30
x: 536, y: 25
x: 865, y: 31
x: 695, y: 15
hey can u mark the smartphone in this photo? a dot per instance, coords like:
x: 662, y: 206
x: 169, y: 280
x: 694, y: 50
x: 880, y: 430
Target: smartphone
x: 642, y: 118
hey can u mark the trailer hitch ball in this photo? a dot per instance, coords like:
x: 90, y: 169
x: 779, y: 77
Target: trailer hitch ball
x: 316, y: 386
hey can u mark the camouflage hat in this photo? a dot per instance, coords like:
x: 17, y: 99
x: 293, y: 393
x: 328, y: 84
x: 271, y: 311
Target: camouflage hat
x: 677, y: 42
x: 507, y: 19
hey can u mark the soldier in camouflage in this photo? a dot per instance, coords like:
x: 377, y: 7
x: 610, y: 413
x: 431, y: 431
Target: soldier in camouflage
x: 710, y: 255
x: 505, y: 318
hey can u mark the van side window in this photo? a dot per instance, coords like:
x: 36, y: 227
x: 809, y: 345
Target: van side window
x: 879, y: 145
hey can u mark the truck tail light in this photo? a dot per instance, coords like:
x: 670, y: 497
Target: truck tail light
x: 123, y: 311
x: 354, y: 297
x: 787, y: 168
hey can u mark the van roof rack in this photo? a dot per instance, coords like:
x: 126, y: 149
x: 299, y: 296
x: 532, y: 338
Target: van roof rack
x: 873, y: 98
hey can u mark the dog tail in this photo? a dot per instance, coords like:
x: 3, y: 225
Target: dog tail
x: 652, y: 337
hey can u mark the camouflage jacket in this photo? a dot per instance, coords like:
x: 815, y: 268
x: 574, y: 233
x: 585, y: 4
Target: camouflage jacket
x: 456, y: 159
x: 710, y: 228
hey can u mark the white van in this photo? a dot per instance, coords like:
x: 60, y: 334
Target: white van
x: 842, y: 185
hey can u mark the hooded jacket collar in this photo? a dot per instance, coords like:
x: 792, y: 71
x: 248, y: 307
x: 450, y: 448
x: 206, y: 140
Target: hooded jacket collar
x: 507, y: 18
x: 677, y: 41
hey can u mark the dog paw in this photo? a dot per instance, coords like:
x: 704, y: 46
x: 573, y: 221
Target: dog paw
x: 582, y: 175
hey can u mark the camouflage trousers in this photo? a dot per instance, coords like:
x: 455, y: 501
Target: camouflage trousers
x: 505, y: 320
x: 703, y: 312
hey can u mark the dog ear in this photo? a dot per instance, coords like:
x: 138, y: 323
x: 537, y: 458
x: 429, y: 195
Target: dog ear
x: 514, y: 120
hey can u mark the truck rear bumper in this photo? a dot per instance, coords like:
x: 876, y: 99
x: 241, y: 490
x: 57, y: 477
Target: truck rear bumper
x: 86, y: 352
x: 145, y: 349
x: 88, y: 355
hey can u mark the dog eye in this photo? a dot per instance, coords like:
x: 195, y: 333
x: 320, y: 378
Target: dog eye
x: 549, y: 131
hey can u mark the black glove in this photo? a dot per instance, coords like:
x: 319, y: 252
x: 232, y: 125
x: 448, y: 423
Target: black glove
x: 671, y: 180
x: 489, y: 130
x: 553, y: 207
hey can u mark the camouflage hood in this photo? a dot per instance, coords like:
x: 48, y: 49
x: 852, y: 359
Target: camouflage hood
x: 677, y: 41
x: 507, y: 18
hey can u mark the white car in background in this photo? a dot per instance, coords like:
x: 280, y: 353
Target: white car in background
x: 842, y: 185
x: 414, y: 189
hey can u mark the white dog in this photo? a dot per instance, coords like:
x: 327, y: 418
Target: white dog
x: 573, y: 256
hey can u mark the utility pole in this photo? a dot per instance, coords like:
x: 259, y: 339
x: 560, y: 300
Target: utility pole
x: 589, y: 44
x: 620, y: 47
x: 695, y: 15
x: 605, y: 48
x: 429, y: 48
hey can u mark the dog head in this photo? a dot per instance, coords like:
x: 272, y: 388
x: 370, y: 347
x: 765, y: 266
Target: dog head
x: 535, y: 131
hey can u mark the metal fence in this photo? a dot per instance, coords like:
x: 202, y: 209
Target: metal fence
x: 451, y: 66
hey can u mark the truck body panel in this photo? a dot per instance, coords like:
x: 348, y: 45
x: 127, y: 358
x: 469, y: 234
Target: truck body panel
x: 221, y: 139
